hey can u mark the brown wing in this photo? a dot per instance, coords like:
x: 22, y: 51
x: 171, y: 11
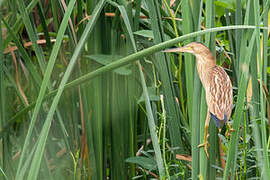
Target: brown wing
x: 219, y: 94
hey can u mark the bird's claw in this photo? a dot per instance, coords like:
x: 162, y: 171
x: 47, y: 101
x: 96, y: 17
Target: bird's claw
x: 230, y: 130
x: 205, y: 144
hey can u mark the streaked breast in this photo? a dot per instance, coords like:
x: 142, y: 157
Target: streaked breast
x: 219, y: 95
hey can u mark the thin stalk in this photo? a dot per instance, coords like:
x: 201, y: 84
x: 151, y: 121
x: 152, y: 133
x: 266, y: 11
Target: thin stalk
x: 164, y: 136
x: 210, y: 42
x: 266, y: 170
x: 265, y: 39
x: 189, y: 62
x: 196, y: 121
x: 3, y: 117
x: 245, y: 146
x: 238, y: 36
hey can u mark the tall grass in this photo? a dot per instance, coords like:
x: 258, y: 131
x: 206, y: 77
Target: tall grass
x: 93, y: 97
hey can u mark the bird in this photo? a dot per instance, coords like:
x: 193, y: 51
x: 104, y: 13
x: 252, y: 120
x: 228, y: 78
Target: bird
x: 217, y: 85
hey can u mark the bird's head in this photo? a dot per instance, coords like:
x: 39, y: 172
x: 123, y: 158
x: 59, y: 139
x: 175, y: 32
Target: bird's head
x: 194, y: 48
x: 197, y: 49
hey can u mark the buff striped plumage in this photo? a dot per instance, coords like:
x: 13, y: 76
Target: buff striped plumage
x: 217, y: 85
x: 219, y: 96
x: 216, y: 82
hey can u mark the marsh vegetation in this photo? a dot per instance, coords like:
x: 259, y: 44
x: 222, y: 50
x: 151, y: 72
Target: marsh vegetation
x: 86, y: 92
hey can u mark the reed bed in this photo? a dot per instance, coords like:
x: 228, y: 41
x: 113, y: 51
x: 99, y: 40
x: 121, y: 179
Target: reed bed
x: 87, y: 93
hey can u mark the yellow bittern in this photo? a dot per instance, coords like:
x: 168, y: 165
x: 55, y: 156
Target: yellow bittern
x: 217, y: 85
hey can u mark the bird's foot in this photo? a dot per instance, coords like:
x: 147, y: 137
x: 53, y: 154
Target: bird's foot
x: 230, y: 130
x: 205, y: 145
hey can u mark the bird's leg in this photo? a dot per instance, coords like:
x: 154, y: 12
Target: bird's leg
x: 230, y: 127
x: 230, y: 130
x: 205, y: 142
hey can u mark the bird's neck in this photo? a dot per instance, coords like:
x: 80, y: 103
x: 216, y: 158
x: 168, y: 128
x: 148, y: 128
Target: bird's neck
x: 204, y: 65
x: 206, y: 60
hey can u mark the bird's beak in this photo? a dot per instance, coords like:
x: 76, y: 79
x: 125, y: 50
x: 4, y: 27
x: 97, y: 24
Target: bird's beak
x: 181, y: 49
